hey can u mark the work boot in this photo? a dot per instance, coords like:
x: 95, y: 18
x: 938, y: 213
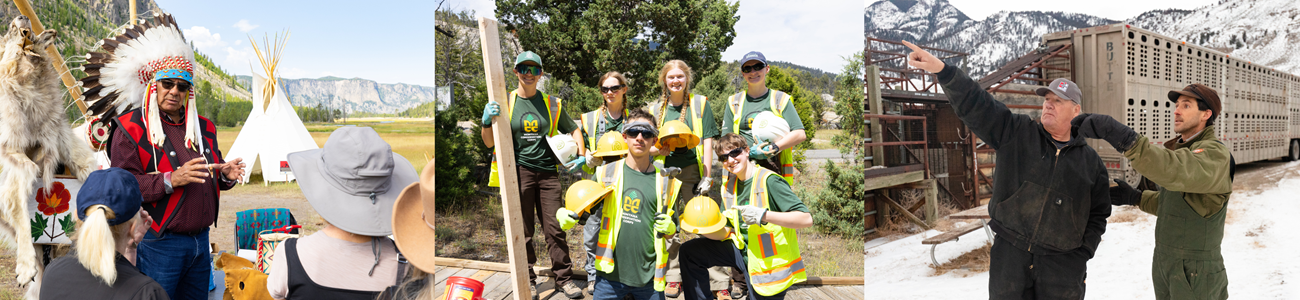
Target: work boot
x: 591, y: 287
x: 532, y: 289
x: 738, y: 291
x: 571, y: 290
x: 673, y: 290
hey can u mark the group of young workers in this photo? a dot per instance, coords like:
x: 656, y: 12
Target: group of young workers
x: 643, y: 165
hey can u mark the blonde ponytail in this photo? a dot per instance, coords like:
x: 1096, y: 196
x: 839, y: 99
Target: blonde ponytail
x: 97, y: 242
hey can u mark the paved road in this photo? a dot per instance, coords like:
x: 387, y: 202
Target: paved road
x: 825, y: 154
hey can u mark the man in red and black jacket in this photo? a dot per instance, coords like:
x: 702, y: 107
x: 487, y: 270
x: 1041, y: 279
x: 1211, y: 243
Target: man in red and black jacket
x: 173, y: 154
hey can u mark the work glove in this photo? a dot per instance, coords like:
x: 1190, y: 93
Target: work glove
x: 664, y: 225
x: 576, y: 164
x: 760, y: 151
x: 1099, y: 126
x: 672, y: 172
x: 490, y: 110
x: 1124, y: 194
x: 567, y: 218
x: 734, y: 215
x: 702, y: 189
x: 752, y: 215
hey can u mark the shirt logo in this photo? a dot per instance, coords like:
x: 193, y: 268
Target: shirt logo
x: 530, y: 122
x: 632, y: 201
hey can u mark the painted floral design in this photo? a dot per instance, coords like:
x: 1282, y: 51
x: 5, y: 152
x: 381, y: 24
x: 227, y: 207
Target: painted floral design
x: 54, y: 201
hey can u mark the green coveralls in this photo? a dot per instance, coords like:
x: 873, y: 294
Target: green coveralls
x: 1194, y: 188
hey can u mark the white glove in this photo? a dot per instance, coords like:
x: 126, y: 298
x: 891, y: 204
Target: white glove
x: 752, y: 215
x: 703, y: 187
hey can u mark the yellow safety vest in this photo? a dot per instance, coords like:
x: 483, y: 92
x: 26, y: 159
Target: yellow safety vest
x: 774, y: 262
x: 612, y: 216
x: 553, y: 109
x: 592, y: 122
x: 697, y: 127
x: 777, y: 106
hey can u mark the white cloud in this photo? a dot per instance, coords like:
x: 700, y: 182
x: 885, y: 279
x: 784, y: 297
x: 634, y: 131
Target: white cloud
x: 239, y: 42
x: 238, y: 59
x: 204, y: 39
x: 814, y: 34
x: 244, y: 26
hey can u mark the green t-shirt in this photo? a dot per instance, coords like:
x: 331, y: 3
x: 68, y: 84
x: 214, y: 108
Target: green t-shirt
x: 634, y: 254
x: 683, y: 157
x: 780, y: 196
x: 529, y: 124
x: 754, y: 106
x: 609, y: 124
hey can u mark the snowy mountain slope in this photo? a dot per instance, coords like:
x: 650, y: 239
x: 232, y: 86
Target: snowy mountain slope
x: 1262, y: 31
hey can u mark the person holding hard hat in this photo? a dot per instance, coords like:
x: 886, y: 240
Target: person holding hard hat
x: 535, y: 119
x: 744, y: 107
x: 609, y: 148
x: 607, y: 118
x: 763, y: 215
x: 636, y: 217
x: 686, y: 129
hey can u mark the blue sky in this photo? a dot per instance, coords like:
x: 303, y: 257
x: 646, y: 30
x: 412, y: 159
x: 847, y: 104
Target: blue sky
x: 815, y: 33
x: 1110, y: 9
x: 384, y: 41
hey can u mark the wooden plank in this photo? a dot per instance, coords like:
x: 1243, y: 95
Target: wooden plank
x: 900, y: 209
x: 502, y: 139
x: 850, y: 292
x: 951, y: 235
x: 874, y: 107
x: 494, y: 287
x: 815, y: 280
x: 482, y: 275
x: 893, y: 180
x: 980, y: 212
x: 816, y: 293
x: 465, y: 273
x: 471, y: 264
x: 445, y: 273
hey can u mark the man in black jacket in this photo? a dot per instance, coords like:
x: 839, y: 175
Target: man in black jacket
x: 1050, y: 190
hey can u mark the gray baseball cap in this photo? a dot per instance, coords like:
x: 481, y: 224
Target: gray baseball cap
x: 354, y: 180
x: 1063, y: 88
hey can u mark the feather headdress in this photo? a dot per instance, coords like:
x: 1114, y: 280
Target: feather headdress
x: 122, y: 77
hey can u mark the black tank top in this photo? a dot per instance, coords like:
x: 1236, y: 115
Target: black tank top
x: 301, y: 286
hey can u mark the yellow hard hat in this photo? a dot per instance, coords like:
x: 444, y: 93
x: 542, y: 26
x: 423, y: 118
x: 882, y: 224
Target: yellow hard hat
x: 610, y: 144
x: 701, y: 216
x: 584, y: 194
x: 676, y: 134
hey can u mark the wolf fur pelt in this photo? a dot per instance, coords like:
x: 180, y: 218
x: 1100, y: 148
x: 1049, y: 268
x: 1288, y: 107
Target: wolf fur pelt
x: 34, y: 138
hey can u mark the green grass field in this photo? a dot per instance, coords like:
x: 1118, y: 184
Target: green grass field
x: 412, y: 139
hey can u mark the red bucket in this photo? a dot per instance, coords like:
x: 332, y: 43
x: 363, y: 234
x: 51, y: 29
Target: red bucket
x: 461, y: 288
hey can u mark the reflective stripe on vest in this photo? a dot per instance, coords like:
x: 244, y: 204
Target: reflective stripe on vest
x: 697, y: 120
x: 774, y: 261
x: 611, y: 222
x: 552, y: 109
x: 777, y: 106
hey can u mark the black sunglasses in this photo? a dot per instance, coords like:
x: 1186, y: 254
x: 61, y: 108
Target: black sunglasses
x: 733, y: 153
x: 751, y: 68
x: 529, y: 69
x: 167, y: 85
x: 611, y: 89
x: 636, y: 131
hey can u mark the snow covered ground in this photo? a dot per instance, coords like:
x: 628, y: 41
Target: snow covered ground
x: 1261, y: 249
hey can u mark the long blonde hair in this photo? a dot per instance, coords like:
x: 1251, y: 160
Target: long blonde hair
x: 97, y: 242
x: 666, y: 93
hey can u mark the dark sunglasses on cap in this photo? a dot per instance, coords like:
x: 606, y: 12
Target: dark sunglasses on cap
x: 529, y: 69
x: 642, y: 132
x: 751, y: 68
x: 167, y: 85
x: 733, y: 153
x: 611, y: 89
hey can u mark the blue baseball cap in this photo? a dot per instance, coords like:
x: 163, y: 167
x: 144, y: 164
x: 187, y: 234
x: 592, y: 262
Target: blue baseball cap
x: 113, y: 187
x: 753, y: 55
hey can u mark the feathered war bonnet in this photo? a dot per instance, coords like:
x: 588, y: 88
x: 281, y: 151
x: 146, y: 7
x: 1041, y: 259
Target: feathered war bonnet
x: 123, y: 76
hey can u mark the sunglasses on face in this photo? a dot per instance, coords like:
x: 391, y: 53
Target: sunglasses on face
x: 611, y: 89
x: 636, y: 131
x: 181, y: 86
x: 733, y: 153
x: 529, y: 69
x: 751, y: 68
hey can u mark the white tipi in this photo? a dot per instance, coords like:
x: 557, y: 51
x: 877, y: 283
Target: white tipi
x: 273, y: 129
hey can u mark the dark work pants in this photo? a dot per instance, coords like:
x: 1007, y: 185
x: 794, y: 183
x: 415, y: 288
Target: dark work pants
x: 539, y: 194
x: 701, y: 253
x: 1017, y: 274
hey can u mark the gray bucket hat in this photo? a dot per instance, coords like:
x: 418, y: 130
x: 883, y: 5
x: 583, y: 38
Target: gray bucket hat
x: 354, y: 180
